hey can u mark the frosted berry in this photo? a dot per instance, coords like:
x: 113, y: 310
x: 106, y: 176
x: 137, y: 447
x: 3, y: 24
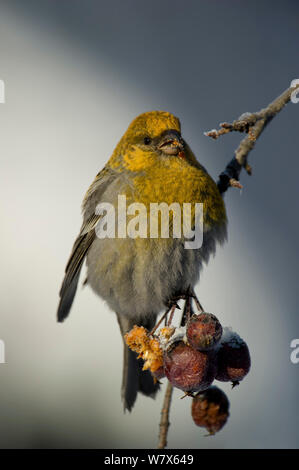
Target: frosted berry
x: 204, y: 331
x: 233, y: 359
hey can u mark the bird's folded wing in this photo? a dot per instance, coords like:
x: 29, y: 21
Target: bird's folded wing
x: 83, y: 242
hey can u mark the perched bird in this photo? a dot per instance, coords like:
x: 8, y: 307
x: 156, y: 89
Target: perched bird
x: 138, y: 277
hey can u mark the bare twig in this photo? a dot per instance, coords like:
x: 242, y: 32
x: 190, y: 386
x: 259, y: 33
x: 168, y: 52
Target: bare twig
x: 164, y: 422
x: 253, y: 124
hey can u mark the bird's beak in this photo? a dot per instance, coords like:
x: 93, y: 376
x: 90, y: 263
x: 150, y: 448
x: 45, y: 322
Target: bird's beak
x: 171, y: 143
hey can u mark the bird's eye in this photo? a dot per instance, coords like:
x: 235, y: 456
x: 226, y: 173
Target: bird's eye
x: 147, y: 140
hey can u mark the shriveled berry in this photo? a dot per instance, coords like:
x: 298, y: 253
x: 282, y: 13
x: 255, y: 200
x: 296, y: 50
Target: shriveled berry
x: 189, y: 369
x: 233, y: 358
x: 210, y: 409
x: 203, y: 331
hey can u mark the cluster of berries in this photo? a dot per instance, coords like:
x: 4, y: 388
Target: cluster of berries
x: 192, y: 357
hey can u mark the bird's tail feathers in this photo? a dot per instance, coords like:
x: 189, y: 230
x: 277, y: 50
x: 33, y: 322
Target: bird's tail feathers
x: 134, y: 378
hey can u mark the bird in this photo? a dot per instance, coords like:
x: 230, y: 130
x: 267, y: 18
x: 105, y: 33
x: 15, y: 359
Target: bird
x: 138, y: 277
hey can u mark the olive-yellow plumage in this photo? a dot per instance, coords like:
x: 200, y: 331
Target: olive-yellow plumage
x: 138, y: 277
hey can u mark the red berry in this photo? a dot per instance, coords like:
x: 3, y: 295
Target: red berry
x: 210, y: 409
x: 233, y: 358
x: 189, y: 369
x: 203, y: 331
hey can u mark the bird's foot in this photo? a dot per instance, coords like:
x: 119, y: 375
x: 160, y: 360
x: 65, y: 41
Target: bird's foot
x: 172, y: 305
x: 188, y: 309
x: 186, y: 296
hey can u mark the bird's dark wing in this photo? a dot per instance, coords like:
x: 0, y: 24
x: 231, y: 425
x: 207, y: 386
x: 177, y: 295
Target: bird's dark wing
x: 83, y: 242
x: 72, y: 273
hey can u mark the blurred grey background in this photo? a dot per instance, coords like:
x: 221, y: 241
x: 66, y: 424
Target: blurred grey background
x: 76, y: 74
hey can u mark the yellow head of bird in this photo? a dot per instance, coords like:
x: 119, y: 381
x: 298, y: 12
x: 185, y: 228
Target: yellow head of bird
x: 150, y: 137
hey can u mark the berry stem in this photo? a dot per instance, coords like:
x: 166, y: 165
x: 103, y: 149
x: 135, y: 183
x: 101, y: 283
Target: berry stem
x: 171, y: 314
x: 159, y: 322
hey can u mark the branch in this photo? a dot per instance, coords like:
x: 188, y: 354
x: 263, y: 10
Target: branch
x: 164, y: 422
x: 253, y: 124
